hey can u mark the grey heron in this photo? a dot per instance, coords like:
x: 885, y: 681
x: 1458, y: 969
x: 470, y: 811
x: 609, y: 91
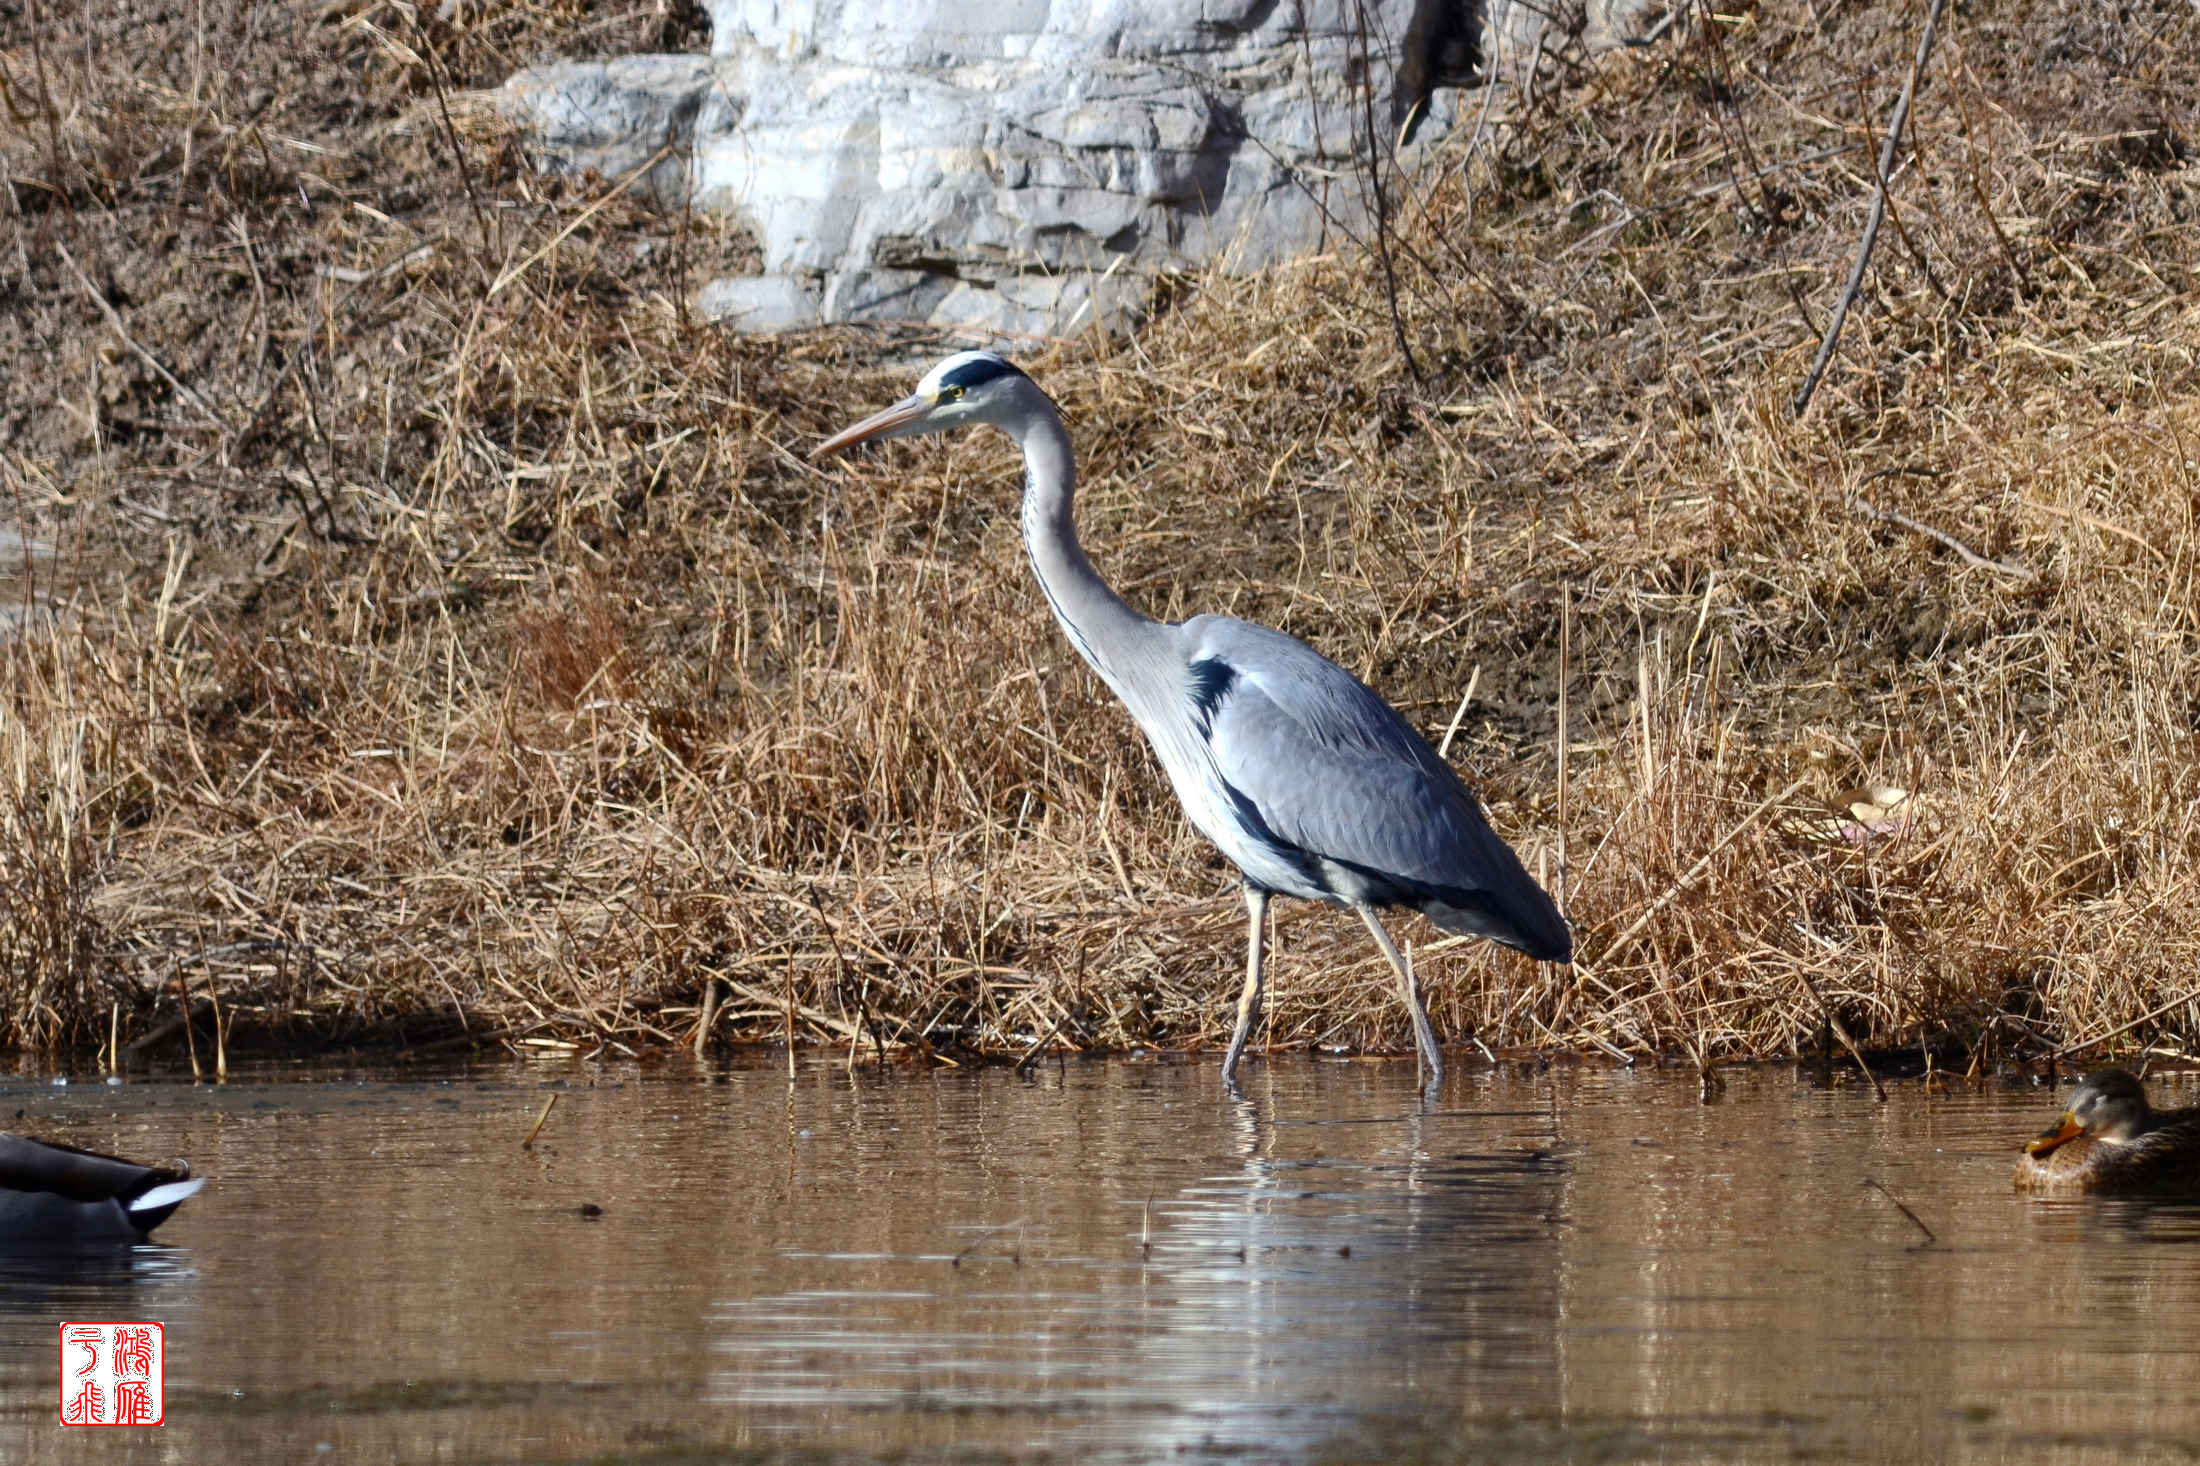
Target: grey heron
x: 1309, y: 782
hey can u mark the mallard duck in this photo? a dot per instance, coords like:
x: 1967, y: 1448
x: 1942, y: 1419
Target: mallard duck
x: 56, y: 1193
x: 2111, y: 1139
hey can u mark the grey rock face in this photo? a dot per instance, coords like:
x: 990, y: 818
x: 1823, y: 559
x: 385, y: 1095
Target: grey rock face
x: 1020, y: 165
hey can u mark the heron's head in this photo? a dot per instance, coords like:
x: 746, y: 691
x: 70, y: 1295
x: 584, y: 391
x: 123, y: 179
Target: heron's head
x: 2110, y: 1106
x: 969, y: 387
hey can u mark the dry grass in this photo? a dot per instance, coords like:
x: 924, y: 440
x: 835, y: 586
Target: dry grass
x: 433, y: 659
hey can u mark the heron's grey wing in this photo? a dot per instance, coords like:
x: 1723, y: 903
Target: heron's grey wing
x: 1308, y: 754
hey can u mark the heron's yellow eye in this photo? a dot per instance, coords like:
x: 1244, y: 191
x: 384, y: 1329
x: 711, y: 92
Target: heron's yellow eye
x: 951, y: 394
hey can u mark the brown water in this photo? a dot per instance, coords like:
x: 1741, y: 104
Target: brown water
x: 1108, y: 1263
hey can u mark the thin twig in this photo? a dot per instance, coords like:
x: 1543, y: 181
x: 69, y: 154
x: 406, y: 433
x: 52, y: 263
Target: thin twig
x: 1879, y: 1186
x: 115, y: 320
x: 2122, y: 1029
x: 344, y: 274
x: 536, y: 1128
x: 183, y: 1000
x: 152, y: 1036
x: 578, y: 220
x: 1970, y: 556
x: 1840, y: 1031
x: 1038, y: 1045
x: 2093, y: 521
x: 1458, y: 714
x: 1382, y: 202
x: 1874, y: 218
x: 1697, y: 195
x: 1565, y: 737
x: 47, y: 111
x: 984, y: 1237
x: 709, y: 1015
x: 1978, y: 183
x: 489, y: 239
x: 221, y: 1035
x: 1702, y: 864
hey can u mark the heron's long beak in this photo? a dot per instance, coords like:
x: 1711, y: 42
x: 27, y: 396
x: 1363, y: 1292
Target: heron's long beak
x: 878, y: 425
x: 2062, y: 1131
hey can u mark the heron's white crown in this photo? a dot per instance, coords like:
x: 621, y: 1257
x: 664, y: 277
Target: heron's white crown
x: 965, y: 370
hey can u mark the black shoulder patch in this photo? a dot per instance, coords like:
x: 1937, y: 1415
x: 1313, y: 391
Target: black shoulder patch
x: 1212, y: 679
x: 982, y: 368
x: 1256, y: 826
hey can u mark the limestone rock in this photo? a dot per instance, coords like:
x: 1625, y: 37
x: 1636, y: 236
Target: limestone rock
x: 1022, y: 165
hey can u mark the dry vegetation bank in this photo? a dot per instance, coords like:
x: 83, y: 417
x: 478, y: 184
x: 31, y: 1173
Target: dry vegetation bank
x: 443, y: 635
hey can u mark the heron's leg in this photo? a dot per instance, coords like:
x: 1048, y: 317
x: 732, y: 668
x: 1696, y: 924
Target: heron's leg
x: 1432, y: 1058
x: 1256, y: 910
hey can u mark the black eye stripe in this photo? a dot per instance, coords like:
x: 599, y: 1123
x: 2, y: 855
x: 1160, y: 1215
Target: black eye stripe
x: 977, y: 370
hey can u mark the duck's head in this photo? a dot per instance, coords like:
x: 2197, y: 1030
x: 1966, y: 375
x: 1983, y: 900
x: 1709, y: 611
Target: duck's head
x: 2110, y: 1106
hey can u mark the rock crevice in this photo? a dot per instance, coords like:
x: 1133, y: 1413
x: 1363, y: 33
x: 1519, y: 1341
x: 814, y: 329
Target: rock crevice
x: 1016, y: 165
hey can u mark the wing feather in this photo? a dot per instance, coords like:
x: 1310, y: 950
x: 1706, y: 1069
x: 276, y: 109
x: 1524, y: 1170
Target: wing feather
x: 1331, y: 769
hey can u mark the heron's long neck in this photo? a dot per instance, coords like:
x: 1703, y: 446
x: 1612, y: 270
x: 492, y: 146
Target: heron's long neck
x: 1105, y: 630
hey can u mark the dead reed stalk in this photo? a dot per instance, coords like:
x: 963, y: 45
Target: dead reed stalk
x: 452, y: 661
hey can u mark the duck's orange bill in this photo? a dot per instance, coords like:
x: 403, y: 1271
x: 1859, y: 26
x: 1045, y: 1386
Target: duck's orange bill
x: 2065, y: 1129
